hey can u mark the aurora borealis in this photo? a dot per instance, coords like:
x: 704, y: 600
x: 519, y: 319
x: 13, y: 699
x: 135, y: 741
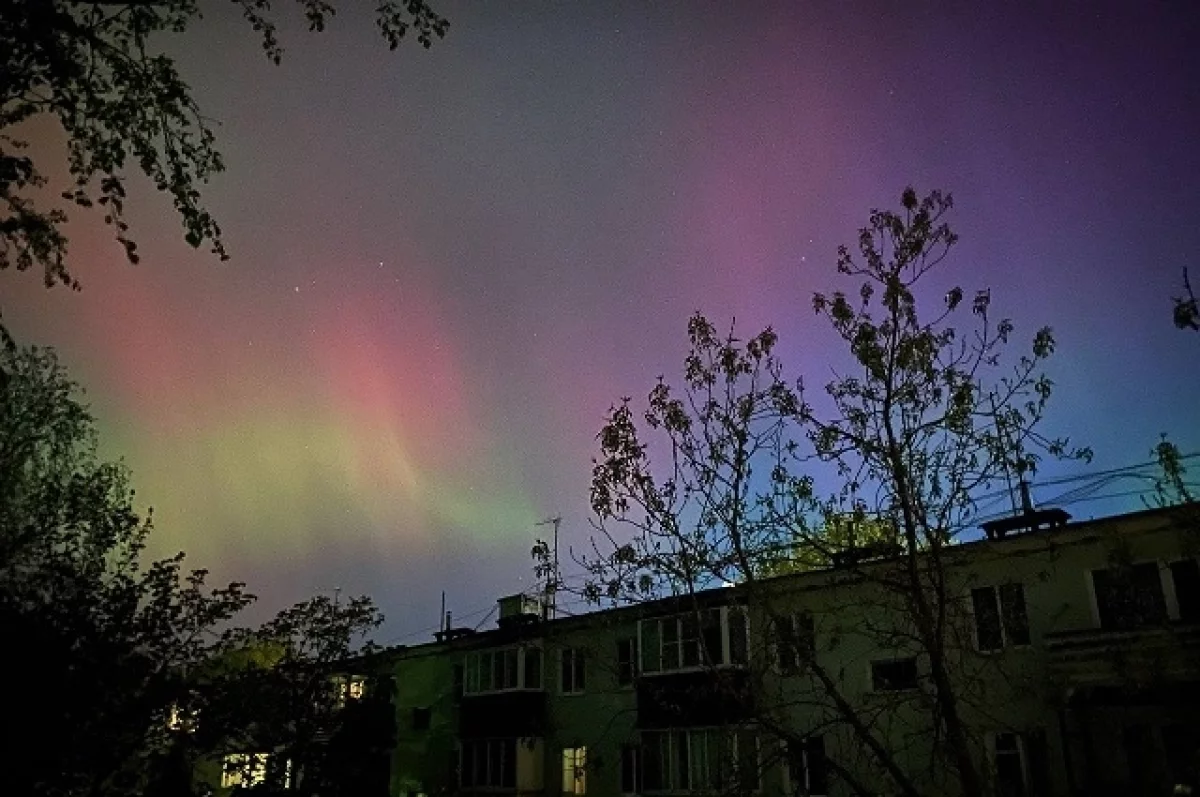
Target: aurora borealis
x: 447, y: 264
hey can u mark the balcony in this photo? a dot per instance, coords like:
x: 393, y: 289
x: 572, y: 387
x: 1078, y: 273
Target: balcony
x: 694, y: 698
x: 1138, y: 656
x: 503, y: 714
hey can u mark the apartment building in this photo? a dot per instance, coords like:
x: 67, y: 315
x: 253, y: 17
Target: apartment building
x: 1075, y: 649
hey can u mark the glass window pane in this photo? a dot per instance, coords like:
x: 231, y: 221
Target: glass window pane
x: 1186, y: 575
x: 1012, y: 606
x: 533, y: 668
x: 651, y: 645
x: 988, y: 635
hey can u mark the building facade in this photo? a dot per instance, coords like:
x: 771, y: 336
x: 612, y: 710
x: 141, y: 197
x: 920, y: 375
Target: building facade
x: 1075, y: 652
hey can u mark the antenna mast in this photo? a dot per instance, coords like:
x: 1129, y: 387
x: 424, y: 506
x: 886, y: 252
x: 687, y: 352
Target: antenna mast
x: 553, y: 581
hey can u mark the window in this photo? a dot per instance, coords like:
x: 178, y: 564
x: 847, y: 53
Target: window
x: 1130, y: 596
x: 348, y: 687
x: 700, y: 760
x: 626, y: 660
x: 712, y: 636
x: 422, y: 717
x: 894, y: 675
x: 1008, y: 753
x: 631, y: 769
x: 572, y: 681
x: 806, y: 771
x: 794, y: 641
x: 181, y: 719
x: 244, y: 769
x: 488, y: 764
x: 533, y: 668
x: 1186, y: 575
x: 502, y: 670
x: 253, y: 769
x: 574, y: 775
x: 1000, y: 617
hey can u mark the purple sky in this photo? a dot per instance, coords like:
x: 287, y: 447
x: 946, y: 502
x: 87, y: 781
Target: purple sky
x: 447, y: 264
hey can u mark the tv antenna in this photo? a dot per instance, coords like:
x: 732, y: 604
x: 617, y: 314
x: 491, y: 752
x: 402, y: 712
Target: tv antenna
x: 552, y: 581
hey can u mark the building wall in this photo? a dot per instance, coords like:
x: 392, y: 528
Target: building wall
x: 1043, y: 691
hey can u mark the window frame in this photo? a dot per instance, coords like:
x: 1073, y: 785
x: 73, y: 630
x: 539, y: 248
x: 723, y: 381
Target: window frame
x: 805, y: 754
x: 801, y: 641
x: 1018, y: 749
x: 474, y: 670
x: 871, y: 679
x: 627, y: 661
x: 677, y: 641
x: 246, y: 769
x: 631, y: 765
x: 576, y: 776
x: 1004, y: 614
x: 572, y: 661
x: 1166, y: 594
x: 679, y: 773
x: 505, y: 749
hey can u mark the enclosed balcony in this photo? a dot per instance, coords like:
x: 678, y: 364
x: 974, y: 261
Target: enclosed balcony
x: 1145, y: 656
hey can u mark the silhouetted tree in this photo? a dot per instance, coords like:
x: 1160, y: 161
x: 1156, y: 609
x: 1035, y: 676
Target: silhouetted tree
x: 1187, y: 308
x: 99, y: 641
x: 288, y: 692
x: 126, y: 674
x: 98, y: 68
x: 722, y: 491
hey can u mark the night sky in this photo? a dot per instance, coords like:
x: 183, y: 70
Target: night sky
x: 447, y: 264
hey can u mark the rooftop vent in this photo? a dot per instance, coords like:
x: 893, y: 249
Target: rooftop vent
x: 1029, y: 520
x: 521, y: 608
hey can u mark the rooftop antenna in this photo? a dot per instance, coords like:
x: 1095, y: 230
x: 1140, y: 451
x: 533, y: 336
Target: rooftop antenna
x: 553, y: 580
x: 1004, y: 458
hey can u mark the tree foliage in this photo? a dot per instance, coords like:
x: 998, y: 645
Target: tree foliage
x: 109, y: 648
x: 719, y: 484
x: 97, y: 67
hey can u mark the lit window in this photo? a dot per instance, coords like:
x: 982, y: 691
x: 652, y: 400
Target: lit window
x: 347, y: 688
x: 574, y: 777
x: 573, y: 671
x: 182, y: 719
x: 1000, y: 617
x: 244, y: 769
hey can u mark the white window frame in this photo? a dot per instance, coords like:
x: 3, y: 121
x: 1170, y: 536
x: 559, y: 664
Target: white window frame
x: 1166, y: 582
x: 1005, y: 642
x: 494, y: 779
x: 1020, y: 751
x: 726, y: 653
x: 347, y: 688
x: 472, y: 664
x: 574, y: 770
x: 788, y: 786
x: 689, y: 735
